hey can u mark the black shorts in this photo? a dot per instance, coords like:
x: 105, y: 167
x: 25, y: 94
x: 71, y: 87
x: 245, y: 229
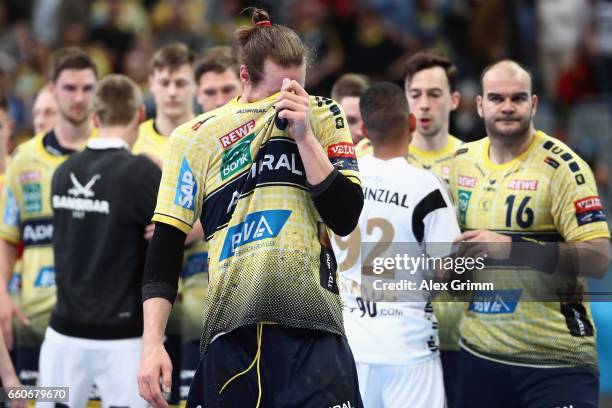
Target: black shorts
x: 173, y: 348
x: 281, y: 367
x: 484, y: 383
x: 451, y: 370
x: 190, y: 357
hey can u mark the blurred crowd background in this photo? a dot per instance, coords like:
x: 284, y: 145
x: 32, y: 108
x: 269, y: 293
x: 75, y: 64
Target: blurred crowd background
x: 567, y: 44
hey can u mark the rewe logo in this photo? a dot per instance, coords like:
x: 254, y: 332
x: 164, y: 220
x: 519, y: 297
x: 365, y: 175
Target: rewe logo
x: 187, y: 187
x: 257, y: 226
x: 523, y: 185
x: 79, y: 189
x: 466, y: 181
x: 235, y: 135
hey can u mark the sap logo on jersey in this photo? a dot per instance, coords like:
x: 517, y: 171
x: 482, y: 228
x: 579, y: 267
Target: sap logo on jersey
x: 235, y: 135
x: 495, y: 302
x: 45, y: 278
x: 257, y: 226
x: 11, y: 210
x: 187, y: 188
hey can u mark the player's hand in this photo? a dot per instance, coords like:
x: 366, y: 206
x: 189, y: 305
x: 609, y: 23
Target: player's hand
x: 7, y: 311
x: 293, y: 104
x: 155, y: 364
x: 11, y: 381
x: 484, y: 243
x: 149, y: 230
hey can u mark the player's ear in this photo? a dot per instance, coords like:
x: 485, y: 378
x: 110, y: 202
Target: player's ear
x: 411, y: 123
x: 245, y: 77
x: 455, y: 100
x: 534, y: 105
x: 142, y: 115
x: 479, y: 105
x: 96, y: 120
x: 364, y: 130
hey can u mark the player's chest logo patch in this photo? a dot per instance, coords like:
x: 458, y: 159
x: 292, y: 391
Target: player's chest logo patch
x: 256, y: 226
x: 237, y: 134
x: 466, y: 181
x: 464, y: 201
x: 495, y: 302
x: 32, y: 197
x: 523, y: 185
x: 237, y: 158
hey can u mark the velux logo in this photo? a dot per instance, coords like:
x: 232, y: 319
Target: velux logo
x: 257, y: 226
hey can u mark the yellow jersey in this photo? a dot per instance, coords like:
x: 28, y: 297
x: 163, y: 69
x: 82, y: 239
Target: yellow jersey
x: 27, y: 216
x: 547, y: 193
x: 239, y: 171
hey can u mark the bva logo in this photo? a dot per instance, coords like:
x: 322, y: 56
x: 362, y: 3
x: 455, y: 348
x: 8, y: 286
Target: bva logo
x: 257, y: 226
x: 187, y: 187
x: 45, y: 278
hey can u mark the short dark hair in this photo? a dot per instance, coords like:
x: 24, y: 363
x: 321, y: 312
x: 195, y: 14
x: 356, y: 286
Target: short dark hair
x: 4, y: 103
x: 116, y: 100
x: 428, y: 59
x: 172, y: 56
x: 72, y: 58
x: 349, y: 85
x: 507, y: 60
x: 217, y: 59
x: 384, y: 109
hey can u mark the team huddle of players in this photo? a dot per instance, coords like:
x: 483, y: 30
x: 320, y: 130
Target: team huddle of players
x: 515, y: 184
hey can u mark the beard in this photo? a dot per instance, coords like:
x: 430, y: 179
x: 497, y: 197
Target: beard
x: 74, y: 119
x: 495, y: 130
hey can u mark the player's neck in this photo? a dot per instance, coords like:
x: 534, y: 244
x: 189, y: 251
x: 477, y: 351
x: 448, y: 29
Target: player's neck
x: 166, y: 125
x: 430, y: 143
x: 72, y: 136
x: 3, y: 156
x: 390, y: 151
x: 503, y: 150
x: 118, y: 132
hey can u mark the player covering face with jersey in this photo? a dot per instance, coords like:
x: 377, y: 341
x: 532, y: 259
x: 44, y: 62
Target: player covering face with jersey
x: 274, y: 161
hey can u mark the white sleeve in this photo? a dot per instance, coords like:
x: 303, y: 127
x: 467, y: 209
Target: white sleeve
x: 440, y: 225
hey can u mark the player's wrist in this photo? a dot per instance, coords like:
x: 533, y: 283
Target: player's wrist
x: 542, y: 256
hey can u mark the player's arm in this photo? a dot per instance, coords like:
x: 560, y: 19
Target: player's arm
x: 328, y: 186
x: 10, y: 235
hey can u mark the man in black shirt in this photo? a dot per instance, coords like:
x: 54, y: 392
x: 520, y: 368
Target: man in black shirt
x: 102, y: 199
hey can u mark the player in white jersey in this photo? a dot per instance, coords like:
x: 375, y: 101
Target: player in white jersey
x: 395, y: 344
